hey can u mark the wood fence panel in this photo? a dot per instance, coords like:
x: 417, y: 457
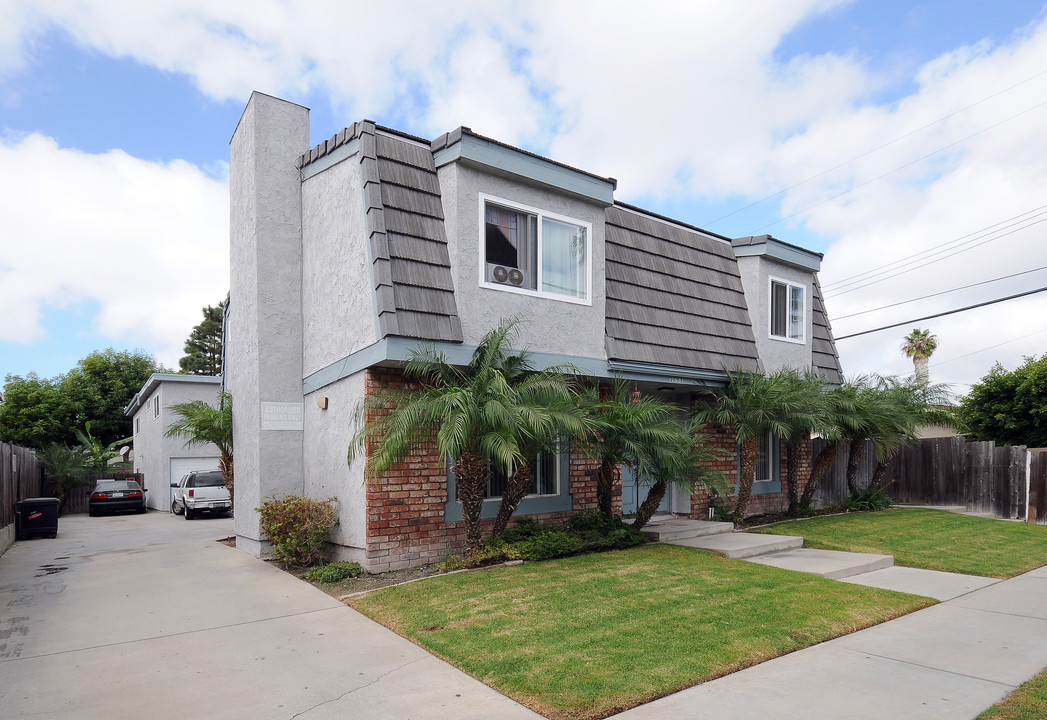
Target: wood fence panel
x: 1038, y: 487
x: 19, y: 479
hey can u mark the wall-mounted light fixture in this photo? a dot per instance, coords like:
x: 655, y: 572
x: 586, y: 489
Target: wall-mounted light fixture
x: 322, y: 402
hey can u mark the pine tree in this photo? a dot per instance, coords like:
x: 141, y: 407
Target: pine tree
x: 203, y: 349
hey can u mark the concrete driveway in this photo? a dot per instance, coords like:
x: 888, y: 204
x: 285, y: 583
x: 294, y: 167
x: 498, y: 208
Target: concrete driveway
x: 137, y: 616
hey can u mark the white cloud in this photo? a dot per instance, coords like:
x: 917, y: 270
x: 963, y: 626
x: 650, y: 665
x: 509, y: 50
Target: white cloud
x: 147, y: 241
x: 683, y: 100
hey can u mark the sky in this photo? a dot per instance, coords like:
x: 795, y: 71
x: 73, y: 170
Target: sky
x: 903, y: 140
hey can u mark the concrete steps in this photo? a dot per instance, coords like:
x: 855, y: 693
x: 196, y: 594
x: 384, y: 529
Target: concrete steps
x: 830, y: 564
x: 784, y: 551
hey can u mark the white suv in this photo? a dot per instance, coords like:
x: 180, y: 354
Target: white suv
x: 199, y: 491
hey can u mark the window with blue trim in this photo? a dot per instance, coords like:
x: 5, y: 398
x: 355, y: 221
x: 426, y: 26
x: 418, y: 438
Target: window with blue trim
x: 549, y: 493
x: 768, y: 465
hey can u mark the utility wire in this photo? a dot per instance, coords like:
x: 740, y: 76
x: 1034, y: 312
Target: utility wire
x: 870, y: 152
x: 917, y: 256
x: 991, y: 347
x: 943, y: 314
x: 943, y: 292
x: 900, y: 167
x: 931, y: 262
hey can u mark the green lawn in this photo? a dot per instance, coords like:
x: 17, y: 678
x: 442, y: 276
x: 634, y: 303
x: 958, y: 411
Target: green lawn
x: 1028, y: 702
x: 588, y: 636
x: 930, y: 539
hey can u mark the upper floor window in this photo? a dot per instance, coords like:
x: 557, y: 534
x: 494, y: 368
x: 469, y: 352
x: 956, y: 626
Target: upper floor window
x: 528, y: 250
x: 787, y: 310
x: 156, y: 406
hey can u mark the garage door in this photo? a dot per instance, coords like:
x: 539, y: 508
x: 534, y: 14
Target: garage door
x: 179, y: 467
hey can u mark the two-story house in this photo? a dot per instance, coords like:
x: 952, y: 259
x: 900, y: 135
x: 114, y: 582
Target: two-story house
x: 346, y: 255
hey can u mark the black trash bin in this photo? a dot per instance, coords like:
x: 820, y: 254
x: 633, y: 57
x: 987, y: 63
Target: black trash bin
x: 36, y: 516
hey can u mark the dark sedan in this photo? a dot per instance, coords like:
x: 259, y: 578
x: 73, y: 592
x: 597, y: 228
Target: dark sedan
x: 111, y: 495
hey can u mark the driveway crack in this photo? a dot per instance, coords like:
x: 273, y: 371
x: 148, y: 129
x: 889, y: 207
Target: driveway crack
x: 362, y: 687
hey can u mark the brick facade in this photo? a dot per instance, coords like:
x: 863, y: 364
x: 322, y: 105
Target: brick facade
x: 405, y: 507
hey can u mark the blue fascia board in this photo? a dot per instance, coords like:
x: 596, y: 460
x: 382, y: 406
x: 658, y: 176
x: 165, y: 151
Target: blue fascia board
x: 340, y: 153
x: 782, y: 252
x: 498, y: 158
x: 157, y: 378
x: 398, y: 350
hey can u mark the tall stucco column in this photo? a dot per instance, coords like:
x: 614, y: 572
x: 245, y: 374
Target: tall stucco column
x: 264, y: 336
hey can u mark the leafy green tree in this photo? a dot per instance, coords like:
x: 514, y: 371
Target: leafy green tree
x: 920, y: 345
x: 102, y: 385
x: 97, y: 455
x: 1009, y: 408
x: 754, y: 405
x: 35, y: 412
x: 203, y: 348
x: 200, y: 423
x: 489, y: 414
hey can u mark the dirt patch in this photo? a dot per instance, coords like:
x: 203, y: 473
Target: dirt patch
x: 365, y: 582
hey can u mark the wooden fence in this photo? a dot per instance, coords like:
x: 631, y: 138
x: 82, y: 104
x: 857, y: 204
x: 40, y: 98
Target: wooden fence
x: 19, y: 479
x: 1010, y: 482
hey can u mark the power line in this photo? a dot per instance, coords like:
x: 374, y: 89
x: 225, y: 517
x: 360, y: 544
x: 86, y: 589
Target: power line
x: 900, y: 167
x: 872, y: 272
x: 943, y: 292
x: 870, y: 152
x: 931, y: 262
x: 991, y: 347
x: 943, y: 314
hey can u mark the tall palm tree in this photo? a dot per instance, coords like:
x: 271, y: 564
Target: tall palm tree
x: 200, y: 423
x: 754, y: 405
x: 920, y: 345
x: 621, y: 429
x: 492, y: 413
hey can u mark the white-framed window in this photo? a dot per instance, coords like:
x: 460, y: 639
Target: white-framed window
x: 138, y: 424
x: 156, y: 406
x: 546, y: 478
x: 788, y: 310
x: 527, y: 250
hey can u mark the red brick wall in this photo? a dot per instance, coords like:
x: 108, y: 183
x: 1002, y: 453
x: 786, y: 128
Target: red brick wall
x: 405, y: 507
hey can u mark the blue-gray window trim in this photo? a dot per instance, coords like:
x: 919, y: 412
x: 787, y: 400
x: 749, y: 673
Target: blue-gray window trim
x: 561, y: 502
x: 775, y: 484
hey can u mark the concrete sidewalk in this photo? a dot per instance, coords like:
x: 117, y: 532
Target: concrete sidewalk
x: 950, y: 661
x: 146, y: 615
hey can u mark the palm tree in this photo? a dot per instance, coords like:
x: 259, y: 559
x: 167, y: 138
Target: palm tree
x: 622, y: 429
x: 492, y: 413
x: 65, y: 467
x: 815, y: 401
x: 200, y: 423
x: 683, y: 459
x: 920, y: 345
x: 755, y: 405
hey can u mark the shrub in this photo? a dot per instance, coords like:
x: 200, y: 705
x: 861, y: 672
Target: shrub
x: 869, y: 499
x: 334, y: 572
x: 297, y: 527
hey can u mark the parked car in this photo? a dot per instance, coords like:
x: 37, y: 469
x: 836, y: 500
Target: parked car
x: 199, y: 491
x: 111, y: 495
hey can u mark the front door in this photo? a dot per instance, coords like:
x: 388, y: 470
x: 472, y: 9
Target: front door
x: 634, y: 493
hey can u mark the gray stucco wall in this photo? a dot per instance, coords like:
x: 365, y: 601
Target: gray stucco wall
x: 328, y: 474
x: 337, y: 301
x: 264, y: 354
x: 153, y: 452
x: 554, y: 326
x: 775, y: 353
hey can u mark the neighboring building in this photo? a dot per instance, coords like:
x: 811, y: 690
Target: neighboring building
x: 347, y: 255
x: 163, y: 460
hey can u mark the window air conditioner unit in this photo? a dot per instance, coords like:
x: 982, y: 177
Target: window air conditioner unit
x: 506, y: 275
